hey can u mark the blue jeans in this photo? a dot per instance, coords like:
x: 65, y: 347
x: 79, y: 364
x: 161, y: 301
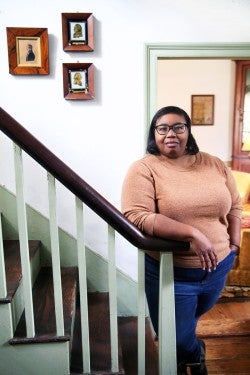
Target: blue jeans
x: 196, y: 292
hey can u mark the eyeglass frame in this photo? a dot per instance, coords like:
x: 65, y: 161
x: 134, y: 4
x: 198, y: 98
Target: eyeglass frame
x: 171, y: 128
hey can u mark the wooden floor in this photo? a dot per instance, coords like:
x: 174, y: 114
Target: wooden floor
x: 225, y: 330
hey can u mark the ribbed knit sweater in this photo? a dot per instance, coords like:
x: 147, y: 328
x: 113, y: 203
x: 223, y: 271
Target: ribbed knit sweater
x: 200, y: 195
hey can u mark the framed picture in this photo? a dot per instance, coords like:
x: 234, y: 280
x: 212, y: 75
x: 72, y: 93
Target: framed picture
x: 77, y: 32
x: 28, y: 50
x: 78, y: 81
x: 202, y: 109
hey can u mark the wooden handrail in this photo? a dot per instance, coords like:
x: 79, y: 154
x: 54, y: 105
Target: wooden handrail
x: 19, y: 135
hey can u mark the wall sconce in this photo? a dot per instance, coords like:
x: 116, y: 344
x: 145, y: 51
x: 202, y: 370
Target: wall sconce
x: 246, y: 144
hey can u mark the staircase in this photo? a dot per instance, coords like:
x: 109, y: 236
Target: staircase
x: 50, y: 323
x: 47, y: 353
x: 65, y: 351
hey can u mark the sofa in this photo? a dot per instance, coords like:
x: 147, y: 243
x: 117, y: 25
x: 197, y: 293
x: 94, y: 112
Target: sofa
x: 240, y: 274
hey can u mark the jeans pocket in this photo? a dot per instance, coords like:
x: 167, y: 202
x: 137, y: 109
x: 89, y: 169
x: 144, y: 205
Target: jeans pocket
x: 233, y: 253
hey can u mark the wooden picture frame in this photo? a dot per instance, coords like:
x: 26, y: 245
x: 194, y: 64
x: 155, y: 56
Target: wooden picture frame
x: 77, y: 32
x: 28, y: 50
x: 202, y: 109
x: 78, y: 81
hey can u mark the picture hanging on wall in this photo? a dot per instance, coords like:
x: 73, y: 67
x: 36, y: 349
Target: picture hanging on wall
x: 77, y: 32
x: 28, y: 50
x: 202, y: 109
x: 78, y: 81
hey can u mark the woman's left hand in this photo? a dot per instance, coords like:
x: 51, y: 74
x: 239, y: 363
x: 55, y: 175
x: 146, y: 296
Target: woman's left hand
x: 203, y: 247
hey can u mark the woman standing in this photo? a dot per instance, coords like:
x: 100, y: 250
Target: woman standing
x: 177, y: 192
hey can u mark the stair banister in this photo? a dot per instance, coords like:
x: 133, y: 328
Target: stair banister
x: 55, y: 254
x: 117, y: 222
x: 82, y: 190
x: 81, y: 255
x: 3, y: 287
x: 23, y: 239
x: 112, y: 299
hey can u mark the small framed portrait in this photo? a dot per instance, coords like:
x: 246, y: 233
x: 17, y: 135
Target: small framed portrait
x: 28, y: 50
x: 77, y: 32
x: 202, y: 109
x: 78, y: 81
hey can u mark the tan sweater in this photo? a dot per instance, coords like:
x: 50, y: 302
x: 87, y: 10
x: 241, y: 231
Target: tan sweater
x: 201, y: 195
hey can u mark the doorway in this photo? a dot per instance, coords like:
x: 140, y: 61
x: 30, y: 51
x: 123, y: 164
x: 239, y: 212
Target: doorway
x: 154, y: 52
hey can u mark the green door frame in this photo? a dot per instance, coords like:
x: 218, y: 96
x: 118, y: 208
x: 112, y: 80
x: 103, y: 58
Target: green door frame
x: 153, y: 52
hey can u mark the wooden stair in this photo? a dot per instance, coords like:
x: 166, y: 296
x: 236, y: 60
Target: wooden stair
x: 44, y: 313
x: 128, y: 337
x: 99, y: 332
x: 100, y: 341
x: 13, y: 265
x: 225, y: 328
x: 44, y: 308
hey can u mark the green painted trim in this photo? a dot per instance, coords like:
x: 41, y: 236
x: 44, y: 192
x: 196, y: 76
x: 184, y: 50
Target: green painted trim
x: 153, y: 52
x: 97, y: 266
x: 38, y: 229
x: 46, y: 358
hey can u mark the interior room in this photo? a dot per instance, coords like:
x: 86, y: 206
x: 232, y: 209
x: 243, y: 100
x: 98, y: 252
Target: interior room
x: 80, y: 83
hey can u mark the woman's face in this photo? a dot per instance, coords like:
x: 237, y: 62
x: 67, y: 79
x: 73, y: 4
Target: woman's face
x: 171, y: 145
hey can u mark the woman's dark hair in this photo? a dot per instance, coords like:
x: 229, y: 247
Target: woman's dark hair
x: 152, y: 148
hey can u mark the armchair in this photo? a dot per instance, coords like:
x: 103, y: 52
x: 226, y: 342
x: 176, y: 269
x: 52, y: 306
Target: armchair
x: 240, y: 274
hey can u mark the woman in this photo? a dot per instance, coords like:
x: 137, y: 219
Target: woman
x: 177, y: 192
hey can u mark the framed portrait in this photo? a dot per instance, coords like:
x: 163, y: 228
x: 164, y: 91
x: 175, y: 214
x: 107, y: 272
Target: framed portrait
x: 78, y: 81
x: 77, y: 32
x: 202, y: 109
x: 28, y: 50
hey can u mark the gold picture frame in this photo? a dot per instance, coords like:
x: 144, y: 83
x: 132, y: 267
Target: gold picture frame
x: 78, y: 81
x: 77, y: 32
x: 28, y: 50
x: 202, y: 109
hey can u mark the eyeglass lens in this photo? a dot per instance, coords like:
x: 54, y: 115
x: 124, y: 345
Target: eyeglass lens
x: 177, y: 128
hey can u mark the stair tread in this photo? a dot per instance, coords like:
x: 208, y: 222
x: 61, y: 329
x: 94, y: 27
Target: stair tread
x: 44, y: 308
x: 128, y: 335
x: 13, y: 265
x: 99, y: 331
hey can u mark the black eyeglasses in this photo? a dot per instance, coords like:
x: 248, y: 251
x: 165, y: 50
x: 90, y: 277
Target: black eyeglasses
x: 178, y: 128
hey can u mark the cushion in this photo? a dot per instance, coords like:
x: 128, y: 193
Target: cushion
x: 245, y: 222
x: 243, y: 184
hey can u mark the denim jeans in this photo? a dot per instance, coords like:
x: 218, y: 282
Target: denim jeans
x: 196, y: 292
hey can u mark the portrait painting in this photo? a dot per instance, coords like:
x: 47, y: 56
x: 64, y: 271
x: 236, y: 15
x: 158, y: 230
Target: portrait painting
x: 78, y: 80
x: 77, y: 32
x: 202, y: 109
x: 28, y: 51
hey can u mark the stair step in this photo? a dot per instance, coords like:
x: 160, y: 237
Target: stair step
x: 99, y: 331
x: 13, y: 265
x: 44, y: 308
x: 128, y: 336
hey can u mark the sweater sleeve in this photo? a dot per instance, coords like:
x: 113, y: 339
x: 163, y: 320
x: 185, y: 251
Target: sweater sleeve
x: 236, y: 209
x: 138, y: 197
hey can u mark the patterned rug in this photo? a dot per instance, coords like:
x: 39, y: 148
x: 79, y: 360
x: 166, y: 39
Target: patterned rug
x: 233, y: 291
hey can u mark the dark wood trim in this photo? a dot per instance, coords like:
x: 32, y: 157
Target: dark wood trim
x: 240, y: 159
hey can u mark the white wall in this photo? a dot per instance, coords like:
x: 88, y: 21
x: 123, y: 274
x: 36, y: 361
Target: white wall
x: 179, y: 79
x: 100, y: 138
